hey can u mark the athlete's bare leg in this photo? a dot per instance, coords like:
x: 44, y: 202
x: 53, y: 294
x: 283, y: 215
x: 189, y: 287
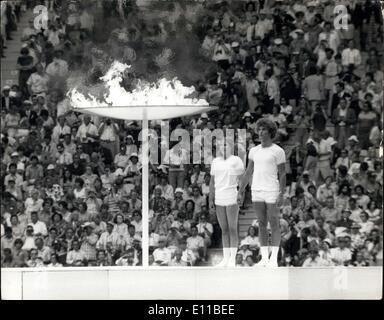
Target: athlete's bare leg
x: 261, y: 214
x: 274, y: 222
x: 232, y: 213
x: 223, y: 222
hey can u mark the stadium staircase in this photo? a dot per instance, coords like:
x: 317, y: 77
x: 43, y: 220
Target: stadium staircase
x: 9, y: 73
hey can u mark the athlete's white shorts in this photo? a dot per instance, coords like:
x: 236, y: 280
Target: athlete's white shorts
x: 265, y: 196
x: 226, y: 201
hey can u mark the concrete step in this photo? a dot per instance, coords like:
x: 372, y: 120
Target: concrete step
x: 247, y: 215
x: 9, y: 67
x: 245, y: 224
x: 11, y: 51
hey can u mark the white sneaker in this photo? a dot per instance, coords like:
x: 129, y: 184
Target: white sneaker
x: 231, y: 264
x: 222, y: 264
x: 262, y: 263
x: 272, y: 264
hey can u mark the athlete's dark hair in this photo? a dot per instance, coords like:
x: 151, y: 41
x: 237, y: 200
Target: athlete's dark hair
x: 269, y: 125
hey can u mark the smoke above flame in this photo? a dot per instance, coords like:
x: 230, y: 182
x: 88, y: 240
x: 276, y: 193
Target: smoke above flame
x: 163, y: 92
x: 148, y: 56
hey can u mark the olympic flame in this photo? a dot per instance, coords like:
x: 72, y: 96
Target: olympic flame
x: 163, y: 92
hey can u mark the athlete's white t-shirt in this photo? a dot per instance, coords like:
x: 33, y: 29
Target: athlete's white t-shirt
x: 265, y: 172
x: 226, y: 172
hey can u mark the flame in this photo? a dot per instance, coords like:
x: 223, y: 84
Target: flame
x: 163, y: 92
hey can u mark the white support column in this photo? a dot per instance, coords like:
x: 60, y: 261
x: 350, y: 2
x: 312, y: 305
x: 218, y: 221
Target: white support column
x: 145, y: 188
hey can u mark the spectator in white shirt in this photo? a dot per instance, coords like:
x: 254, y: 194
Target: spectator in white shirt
x: 351, y: 56
x: 13, y: 175
x: 166, y: 188
x: 177, y: 260
x: 132, y: 171
x: 362, y: 199
x: 341, y: 255
x: 108, y: 178
x: 273, y: 90
x: 44, y: 252
x: 109, y: 240
x: 343, y: 160
x: 162, y: 255
x: 33, y: 203
x: 121, y: 159
x: 196, y: 244
x: 355, y: 210
x: 39, y: 227
x: 331, y: 36
x: 130, y: 144
x: 75, y: 255
x: 252, y: 239
x: 87, y: 133
x: 366, y: 225
x: 38, y: 81
x: 63, y: 158
x: 176, y: 157
x: 222, y: 51
x: 259, y: 27
x: 264, y: 26
x: 251, y: 28
x: 326, y: 190
x: 137, y: 222
x: 29, y: 240
x: 60, y: 130
x: 188, y: 257
x: 244, y: 250
x: 109, y: 136
x: 53, y: 35
x: 58, y: 68
x: 54, y: 261
x: 69, y: 145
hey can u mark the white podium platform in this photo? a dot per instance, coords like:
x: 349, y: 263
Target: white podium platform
x: 199, y: 283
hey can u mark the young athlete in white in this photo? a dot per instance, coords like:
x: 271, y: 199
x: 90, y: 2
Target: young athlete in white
x: 226, y: 170
x: 266, y: 162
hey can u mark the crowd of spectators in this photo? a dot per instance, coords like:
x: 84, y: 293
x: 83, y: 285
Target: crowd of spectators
x: 71, y: 184
x: 69, y: 192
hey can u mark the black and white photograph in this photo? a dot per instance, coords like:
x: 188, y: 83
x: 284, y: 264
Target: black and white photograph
x: 231, y: 147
